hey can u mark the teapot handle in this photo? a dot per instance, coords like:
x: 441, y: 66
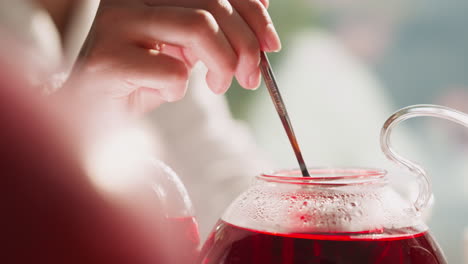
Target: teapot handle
x: 403, y: 114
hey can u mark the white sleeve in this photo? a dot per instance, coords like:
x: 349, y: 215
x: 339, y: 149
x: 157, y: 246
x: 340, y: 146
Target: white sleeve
x: 78, y: 29
x: 32, y: 36
x: 215, y: 155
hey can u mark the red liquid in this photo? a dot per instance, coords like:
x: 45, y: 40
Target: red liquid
x: 230, y: 244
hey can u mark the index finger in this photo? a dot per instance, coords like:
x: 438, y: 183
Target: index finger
x: 256, y: 15
x: 193, y: 29
x: 265, y: 3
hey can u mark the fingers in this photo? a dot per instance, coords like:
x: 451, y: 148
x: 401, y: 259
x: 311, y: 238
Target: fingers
x: 144, y: 100
x: 154, y: 70
x: 136, y: 67
x: 255, y: 14
x: 227, y: 38
x: 192, y: 29
x: 153, y: 78
x: 265, y: 3
x: 242, y: 39
x: 245, y: 24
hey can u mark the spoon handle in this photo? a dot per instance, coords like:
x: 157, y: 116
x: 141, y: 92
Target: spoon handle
x: 270, y: 82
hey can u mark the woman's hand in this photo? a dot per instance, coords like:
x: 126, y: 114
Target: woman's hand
x: 147, y: 48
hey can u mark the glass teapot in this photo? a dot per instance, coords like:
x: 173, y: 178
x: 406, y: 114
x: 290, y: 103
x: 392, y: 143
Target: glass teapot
x: 337, y: 216
x: 158, y: 223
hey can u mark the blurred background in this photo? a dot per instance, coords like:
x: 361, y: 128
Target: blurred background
x: 345, y: 67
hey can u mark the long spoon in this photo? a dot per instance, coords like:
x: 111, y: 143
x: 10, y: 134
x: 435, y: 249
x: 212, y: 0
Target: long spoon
x: 269, y: 78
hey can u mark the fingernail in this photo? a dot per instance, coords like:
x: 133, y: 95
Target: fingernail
x: 164, y: 94
x: 272, y: 40
x: 167, y: 95
x: 222, y: 86
x: 254, y: 80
